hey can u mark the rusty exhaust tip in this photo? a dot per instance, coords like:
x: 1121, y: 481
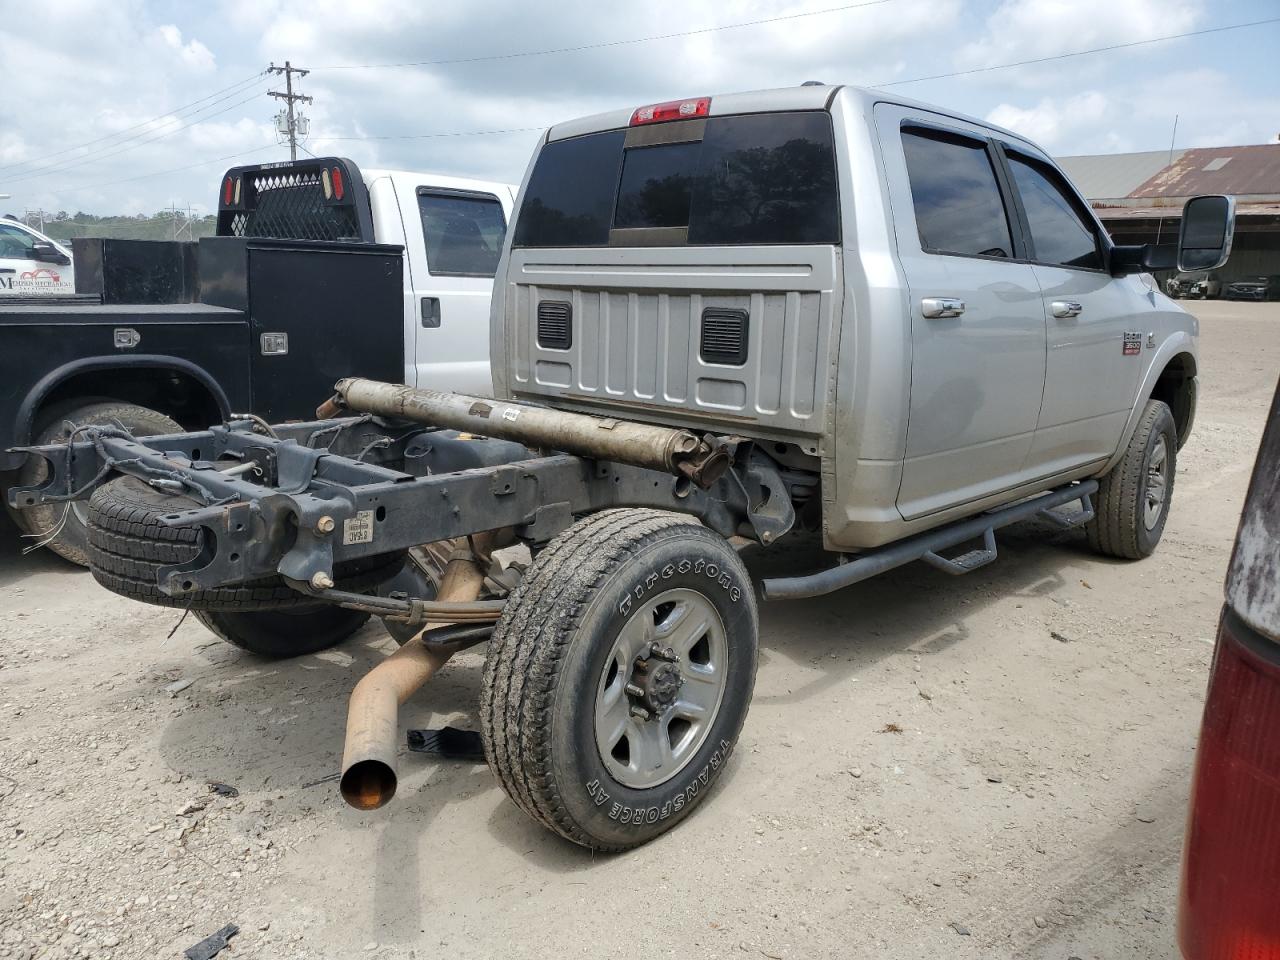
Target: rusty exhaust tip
x: 368, y: 784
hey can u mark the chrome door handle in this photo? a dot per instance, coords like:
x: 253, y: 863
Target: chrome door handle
x: 1066, y: 308
x: 938, y: 308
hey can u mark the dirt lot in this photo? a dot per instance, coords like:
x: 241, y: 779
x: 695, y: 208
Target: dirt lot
x: 1031, y: 806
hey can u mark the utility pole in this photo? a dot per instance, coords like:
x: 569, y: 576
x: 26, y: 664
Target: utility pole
x: 289, y: 97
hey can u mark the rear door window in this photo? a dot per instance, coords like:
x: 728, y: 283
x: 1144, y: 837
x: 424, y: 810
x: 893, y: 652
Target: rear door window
x: 1061, y: 233
x: 463, y: 232
x: 750, y: 179
x: 958, y: 206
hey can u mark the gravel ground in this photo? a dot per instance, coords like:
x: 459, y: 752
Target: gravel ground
x: 994, y: 766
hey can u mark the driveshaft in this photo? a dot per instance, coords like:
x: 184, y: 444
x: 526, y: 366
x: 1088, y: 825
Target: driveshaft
x: 680, y: 452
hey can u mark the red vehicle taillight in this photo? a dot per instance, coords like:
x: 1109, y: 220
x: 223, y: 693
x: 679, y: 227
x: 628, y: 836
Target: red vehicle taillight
x: 1230, y: 907
x: 672, y: 110
x: 338, y: 186
x: 226, y: 192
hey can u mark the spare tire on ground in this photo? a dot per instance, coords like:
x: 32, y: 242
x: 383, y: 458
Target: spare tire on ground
x: 129, y: 544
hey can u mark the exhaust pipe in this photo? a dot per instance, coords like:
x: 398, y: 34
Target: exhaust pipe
x: 678, y: 452
x: 369, y: 754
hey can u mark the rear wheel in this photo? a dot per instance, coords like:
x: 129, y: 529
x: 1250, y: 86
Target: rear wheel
x: 1133, y: 499
x: 619, y: 676
x: 63, y: 527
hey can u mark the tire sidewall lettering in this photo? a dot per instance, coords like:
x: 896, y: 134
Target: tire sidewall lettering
x: 694, y: 561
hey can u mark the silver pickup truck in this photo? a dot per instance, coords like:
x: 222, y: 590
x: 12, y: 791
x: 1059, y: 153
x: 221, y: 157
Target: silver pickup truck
x: 725, y: 317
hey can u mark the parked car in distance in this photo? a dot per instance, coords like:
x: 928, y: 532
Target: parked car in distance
x: 1254, y: 288
x: 1201, y: 285
x: 1231, y: 861
x: 31, y: 264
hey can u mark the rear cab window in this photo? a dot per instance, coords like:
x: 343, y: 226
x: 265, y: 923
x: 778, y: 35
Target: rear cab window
x: 758, y: 179
x: 463, y: 232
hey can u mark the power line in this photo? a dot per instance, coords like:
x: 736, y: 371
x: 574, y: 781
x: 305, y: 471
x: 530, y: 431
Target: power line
x: 161, y: 173
x: 609, y: 43
x: 125, y: 147
x: 171, y: 114
x: 290, y: 98
x: 1079, y: 53
x: 432, y: 136
x: 891, y: 83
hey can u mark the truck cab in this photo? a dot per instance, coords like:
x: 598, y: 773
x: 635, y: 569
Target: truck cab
x: 915, y: 306
x: 451, y: 230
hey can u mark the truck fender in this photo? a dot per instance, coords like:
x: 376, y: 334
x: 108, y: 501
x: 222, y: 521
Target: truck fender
x: 25, y: 421
x: 1176, y: 343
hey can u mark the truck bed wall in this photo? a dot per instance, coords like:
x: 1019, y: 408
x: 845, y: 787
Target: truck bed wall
x: 136, y: 271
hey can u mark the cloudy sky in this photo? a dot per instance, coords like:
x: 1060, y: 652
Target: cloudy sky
x: 128, y: 106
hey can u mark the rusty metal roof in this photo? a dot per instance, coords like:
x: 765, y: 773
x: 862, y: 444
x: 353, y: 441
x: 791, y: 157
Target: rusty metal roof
x: 1111, y: 176
x: 1239, y: 171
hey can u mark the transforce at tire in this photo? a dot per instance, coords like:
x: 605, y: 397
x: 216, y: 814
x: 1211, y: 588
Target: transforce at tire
x: 619, y: 676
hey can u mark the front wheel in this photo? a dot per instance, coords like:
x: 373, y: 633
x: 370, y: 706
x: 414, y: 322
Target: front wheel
x: 619, y: 676
x: 1133, y: 499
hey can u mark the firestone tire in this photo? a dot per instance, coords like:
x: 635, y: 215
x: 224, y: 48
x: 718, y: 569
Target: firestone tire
x: 578, y: 634
x: 129, y: 544
x: 72, y: 541
x: 1133, y: 499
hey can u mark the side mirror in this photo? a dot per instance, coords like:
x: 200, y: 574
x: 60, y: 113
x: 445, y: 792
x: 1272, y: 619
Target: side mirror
x: 48, y: 253
x: 1208, y: 225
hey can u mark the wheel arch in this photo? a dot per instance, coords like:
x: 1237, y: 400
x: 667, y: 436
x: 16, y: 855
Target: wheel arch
x: 1172, y: 372
x: 170, y: 385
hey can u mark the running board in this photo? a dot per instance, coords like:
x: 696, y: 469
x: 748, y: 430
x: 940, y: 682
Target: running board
x: 926, y: 546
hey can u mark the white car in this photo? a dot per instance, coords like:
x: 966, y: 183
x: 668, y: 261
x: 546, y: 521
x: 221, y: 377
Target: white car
x: 32, y: 264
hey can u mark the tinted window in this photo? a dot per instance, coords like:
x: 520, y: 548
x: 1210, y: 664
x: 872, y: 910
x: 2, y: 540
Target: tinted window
x: 767, y: 178
x: 569, y: 200
x: 1059, y: 232
x: 657, y: 184
x: 755, y: 179
x: 956, y: 196
x: 463, y: 234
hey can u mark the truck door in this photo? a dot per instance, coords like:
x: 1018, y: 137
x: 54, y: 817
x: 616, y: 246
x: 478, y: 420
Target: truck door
x: 1095, y: 334
x: 976, y: 315
x: 460, y: 234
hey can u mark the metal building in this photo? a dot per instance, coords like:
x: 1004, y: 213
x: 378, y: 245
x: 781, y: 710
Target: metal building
x: 1139, y: 197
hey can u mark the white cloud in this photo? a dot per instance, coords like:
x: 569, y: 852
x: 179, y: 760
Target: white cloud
x: 1027, y: 29
x: 193, y: 53
x: 83, y: 70
x: 1056, y: 123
